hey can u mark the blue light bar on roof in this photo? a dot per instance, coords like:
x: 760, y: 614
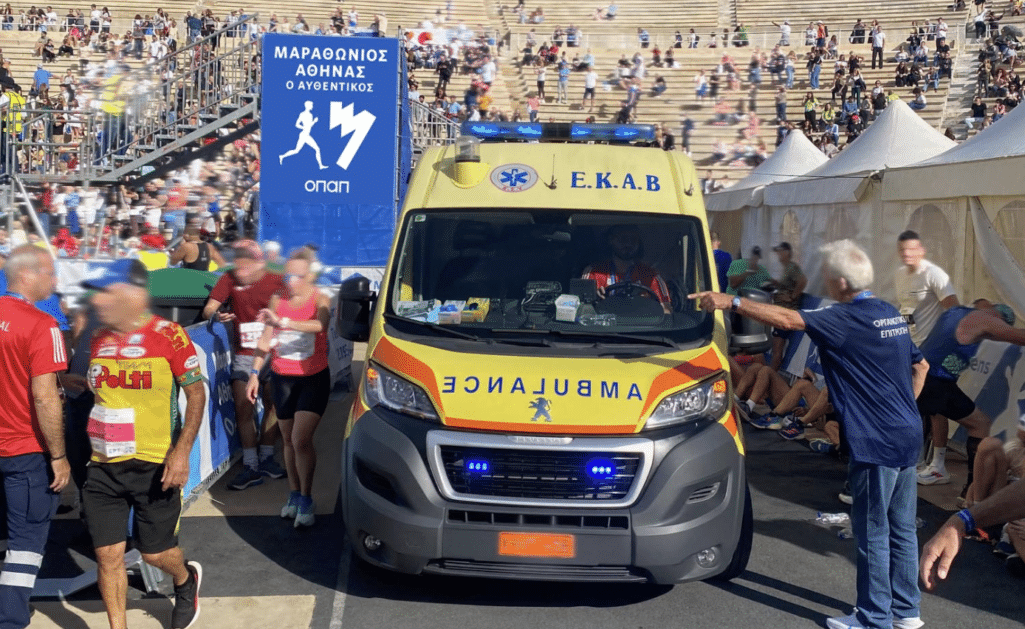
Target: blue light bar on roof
x: 612, y: 132
x: 559, y: 131
x: 503, y: 130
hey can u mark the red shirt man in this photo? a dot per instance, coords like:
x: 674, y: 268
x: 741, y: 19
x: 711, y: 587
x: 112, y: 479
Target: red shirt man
x: 30, y: 345
x: 31, y: 354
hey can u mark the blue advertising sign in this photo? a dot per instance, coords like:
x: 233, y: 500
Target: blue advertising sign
x: 329, y: 150
x: 217, y: 439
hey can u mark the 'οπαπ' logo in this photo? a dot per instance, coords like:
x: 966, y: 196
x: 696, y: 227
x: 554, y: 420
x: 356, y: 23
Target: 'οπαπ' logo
x: 514, y: 177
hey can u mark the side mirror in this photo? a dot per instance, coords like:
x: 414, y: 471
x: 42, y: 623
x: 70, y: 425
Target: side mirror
x: 750, y: 336
x: 355, y: 303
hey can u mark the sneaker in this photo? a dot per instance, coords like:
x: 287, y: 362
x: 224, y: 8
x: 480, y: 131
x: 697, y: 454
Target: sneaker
x: 290, y: 508
x: 304, y: 513
x: 933, y: 476
x: 767, y: 422
x: 1003, y: 549
x: 822, y: 446
x: 845, y: 622
x: 845, y: 494
x: 908, y: 623
x: 794, y: 431
x: 186, y: 598
x: 246, y: 478
x: 270, y: 468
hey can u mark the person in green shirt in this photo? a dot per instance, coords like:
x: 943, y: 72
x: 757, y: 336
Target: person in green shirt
x: 747, y: 272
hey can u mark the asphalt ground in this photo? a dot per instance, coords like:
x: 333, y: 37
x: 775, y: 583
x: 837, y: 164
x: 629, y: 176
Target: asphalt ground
x: 260, y: 572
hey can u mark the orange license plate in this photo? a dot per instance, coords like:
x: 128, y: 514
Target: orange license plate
x: 537, y: 545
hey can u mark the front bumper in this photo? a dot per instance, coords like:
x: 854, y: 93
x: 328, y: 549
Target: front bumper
x: 691, y: 499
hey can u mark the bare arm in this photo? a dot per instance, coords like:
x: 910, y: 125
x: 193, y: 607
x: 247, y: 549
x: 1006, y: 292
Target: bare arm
x: 176, y: 465
x: 47, y: 402
x: 210, y: 308
x: 918, y: 373
x: 178, y: 255
x: 980, y: 325
x: 777, y: 317
x: 216, y: 256
x: 949, y: 302
x: 1008, y: 504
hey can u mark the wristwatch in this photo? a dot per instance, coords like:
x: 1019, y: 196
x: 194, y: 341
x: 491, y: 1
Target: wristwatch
x: 736, y: 304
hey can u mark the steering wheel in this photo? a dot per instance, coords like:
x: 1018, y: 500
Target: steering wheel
x: 630, y: 290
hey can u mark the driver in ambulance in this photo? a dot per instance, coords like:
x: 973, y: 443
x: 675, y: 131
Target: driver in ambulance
x: 626, y: 266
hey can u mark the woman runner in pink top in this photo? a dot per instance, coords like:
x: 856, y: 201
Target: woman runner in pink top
x: 296, y: 334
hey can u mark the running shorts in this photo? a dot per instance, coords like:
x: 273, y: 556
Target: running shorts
x: 944, y: 397
x: 111, y: 489
x: 301, y: 393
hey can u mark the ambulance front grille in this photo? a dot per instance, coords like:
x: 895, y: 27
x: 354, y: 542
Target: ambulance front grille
x: 539, y: 474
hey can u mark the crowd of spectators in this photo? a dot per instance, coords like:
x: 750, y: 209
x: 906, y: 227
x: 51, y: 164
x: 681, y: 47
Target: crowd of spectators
x: 998, y: 87
x: 219, y: 197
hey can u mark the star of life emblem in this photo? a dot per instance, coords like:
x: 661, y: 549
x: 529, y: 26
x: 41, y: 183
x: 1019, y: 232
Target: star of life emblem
x: 514, y: 177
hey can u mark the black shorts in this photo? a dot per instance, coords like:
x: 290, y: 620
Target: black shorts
x: 301, y: 393
x: 111, y: 489
x: 944, y: 397
x: 588, y: 92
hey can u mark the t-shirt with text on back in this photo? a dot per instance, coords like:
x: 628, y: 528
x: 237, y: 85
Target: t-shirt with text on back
x: 30, y: 345
x: 919, y: 294
x: 866, y: 354
x: 246, y: 302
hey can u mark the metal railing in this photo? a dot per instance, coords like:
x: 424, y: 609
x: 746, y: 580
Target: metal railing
x: 145, y: 113
x: 431, y: 128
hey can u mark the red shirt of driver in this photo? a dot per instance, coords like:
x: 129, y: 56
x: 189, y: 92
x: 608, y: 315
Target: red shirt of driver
x: 604, y: 274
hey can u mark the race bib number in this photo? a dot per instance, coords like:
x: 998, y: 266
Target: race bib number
x: 250, y: 334
x: 294, y: 345
x: 112, y: 431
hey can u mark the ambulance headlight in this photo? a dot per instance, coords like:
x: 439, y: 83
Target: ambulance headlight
x: 705, y: 402
x: 389, y: 390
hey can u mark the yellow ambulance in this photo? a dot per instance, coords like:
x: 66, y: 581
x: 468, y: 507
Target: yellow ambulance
x: 540, y: 400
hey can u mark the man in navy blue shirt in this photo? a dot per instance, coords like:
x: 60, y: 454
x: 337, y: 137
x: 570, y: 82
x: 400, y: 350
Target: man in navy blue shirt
x: 874, y: 373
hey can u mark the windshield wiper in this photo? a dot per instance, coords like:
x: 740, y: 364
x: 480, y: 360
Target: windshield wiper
x: 598, y: 337
x: 661, y: 341
x: 433, y: 326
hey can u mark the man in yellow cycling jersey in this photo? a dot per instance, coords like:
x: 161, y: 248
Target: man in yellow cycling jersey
x: 140, y: 459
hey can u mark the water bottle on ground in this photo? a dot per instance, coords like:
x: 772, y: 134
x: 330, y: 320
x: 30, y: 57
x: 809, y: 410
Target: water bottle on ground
x: 832, y: 518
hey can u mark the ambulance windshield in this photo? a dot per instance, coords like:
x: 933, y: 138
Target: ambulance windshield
x: 568, y: 272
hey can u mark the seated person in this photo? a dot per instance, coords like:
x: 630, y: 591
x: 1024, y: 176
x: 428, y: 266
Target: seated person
x: 997, y: 464
x: 625, y: 265
x: 659, y: 87
x: 611, y: 12
x: 786, y: 415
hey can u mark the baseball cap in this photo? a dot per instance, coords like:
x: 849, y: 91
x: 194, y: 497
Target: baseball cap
x: 783, y: 246
x: 125, y: 271
x: 248, y: 249
x: 1006, y: 313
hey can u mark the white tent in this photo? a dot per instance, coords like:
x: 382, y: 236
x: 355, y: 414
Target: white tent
x: 897, y: 138
x: 982, y: 181
x: 841, y: 198
x: 795, y: 156
x: 989, y: 164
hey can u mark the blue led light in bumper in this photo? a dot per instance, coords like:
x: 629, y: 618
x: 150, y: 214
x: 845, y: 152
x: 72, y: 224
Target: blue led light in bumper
x: 601, y: 468
x: 477, y: 466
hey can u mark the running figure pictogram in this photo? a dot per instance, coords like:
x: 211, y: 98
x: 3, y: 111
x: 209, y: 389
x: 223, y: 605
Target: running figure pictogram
x: 305, y: 124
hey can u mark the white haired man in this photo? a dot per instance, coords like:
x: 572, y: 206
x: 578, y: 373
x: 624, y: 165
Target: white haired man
x: 874, y: 373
